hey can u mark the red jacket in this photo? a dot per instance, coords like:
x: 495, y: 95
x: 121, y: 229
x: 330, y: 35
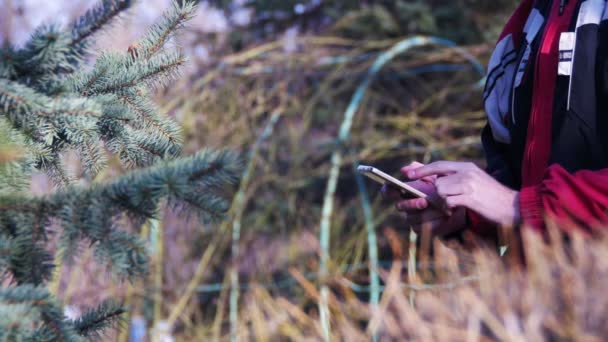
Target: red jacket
x: 546, y: 98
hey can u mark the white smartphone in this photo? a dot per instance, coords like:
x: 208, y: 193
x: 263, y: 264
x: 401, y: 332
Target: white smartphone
x: 384, y: 178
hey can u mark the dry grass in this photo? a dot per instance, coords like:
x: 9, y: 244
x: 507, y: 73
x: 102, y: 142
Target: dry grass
x: 558, y: 295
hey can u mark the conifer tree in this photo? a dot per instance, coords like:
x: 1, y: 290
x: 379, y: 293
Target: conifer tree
x: 51, y: 103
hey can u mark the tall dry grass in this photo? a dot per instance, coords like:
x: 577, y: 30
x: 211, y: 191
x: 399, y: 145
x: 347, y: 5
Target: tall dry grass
x: 559, y: 295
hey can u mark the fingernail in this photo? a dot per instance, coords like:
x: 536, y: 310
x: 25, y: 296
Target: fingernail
x: 411, y: 174
x: 419, y: 205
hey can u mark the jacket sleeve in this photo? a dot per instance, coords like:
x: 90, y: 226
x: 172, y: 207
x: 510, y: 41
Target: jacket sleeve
x: 496, y: 158
x: 580, y: 198
x: 495, y: 152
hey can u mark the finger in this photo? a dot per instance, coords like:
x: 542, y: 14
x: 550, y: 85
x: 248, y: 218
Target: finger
x: 412, y: 204
x: 414, y: 166
x: 428, y: 179
x: 425, y: 187
x: 441, y: 168
x: 453, y: 202
x: 449, y: 186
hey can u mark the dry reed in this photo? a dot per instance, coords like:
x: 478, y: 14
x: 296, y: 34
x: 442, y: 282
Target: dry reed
x: 557, y: 295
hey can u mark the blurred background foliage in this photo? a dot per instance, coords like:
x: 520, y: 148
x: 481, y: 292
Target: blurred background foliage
x: 288, y: 69
x: 462, y: 21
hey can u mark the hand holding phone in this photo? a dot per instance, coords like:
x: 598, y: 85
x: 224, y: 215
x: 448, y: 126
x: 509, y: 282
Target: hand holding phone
x: 433, y: 215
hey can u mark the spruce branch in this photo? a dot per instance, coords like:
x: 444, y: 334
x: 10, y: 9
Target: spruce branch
x: 136, y: 148
x: 43, y: 308
x: 17, y: 321
x: 187, y: 181
x: 47, y: 51
x: 80, y: 82
x: 157, y: 71
x: 16, y: 160
x: 57, y: 123
x: 151, y: 121
x: 113, y: 66
x: 198, y: 184
x: 8, y: 59
x: 13, y: 100
x: 93, y: 321
x: 93, y: 157
x: 133, y: 129
x: 141, y: 148
x: 45, y: 56
x: 162, y: 31
x: 23, y: 314
x: 5, y: 251
x: 24, y: 294
x: 30, y: 263
x: 29, y: 111
x: 96, y: 19
x: 53, y: 166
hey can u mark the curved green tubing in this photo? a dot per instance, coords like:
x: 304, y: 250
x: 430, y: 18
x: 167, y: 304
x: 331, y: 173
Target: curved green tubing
x: 236, y: 223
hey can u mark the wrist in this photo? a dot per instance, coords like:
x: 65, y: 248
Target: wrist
x: 511, y: 215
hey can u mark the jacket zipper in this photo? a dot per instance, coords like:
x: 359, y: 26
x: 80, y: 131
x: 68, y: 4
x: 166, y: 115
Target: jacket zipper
x: 551, y: 26
x: 571, y: 67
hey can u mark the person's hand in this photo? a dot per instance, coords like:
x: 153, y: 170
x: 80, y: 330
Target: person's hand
x: 466, y: 185
x: 419, y: 213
